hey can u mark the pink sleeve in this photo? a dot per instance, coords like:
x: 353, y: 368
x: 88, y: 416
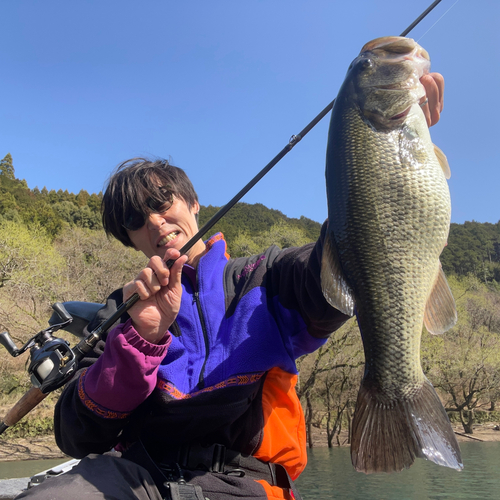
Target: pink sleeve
x: 125, y: 374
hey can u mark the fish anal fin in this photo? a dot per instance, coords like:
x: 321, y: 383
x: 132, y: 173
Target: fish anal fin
x: 440, y: 310
x: 388, y: 437
x: 443, y: 161
x: 333, y: 284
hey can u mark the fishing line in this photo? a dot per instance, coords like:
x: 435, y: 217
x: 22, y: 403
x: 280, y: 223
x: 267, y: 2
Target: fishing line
x: 419, y: 18
x: 438, y: 21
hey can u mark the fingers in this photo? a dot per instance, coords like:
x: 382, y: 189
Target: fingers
x: 433, y: 102
x: 156, y: 275
x: 176, y: 271
x: 143, y: 285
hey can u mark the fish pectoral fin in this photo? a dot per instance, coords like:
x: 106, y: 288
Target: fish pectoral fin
x: 333, y: 284
x: 387, y: 436
x: 443, y: 161
x: 440, y: 310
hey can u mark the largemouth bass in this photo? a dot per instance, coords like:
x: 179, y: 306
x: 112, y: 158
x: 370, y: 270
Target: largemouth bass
x: 388, y: 221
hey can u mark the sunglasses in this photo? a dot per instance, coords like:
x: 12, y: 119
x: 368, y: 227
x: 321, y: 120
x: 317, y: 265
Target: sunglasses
x: 134, y: 220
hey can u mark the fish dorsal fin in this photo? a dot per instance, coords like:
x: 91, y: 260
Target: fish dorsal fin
x: 443, y: 161
x: 333, y: 284
x: 440, y: 311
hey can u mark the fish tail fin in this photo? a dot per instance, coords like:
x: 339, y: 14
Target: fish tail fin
x: 388, y: 437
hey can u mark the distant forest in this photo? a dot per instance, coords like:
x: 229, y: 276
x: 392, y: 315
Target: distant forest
x: 53, y: 249
x: 473, y: 247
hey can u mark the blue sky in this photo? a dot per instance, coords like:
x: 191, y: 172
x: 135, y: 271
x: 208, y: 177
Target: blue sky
x: 220, y: 86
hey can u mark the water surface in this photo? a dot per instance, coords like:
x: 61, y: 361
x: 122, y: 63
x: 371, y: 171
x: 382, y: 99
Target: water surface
x: 25, y: 468
x: 329, y: 475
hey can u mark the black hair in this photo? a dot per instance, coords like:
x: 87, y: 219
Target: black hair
x: 132, y: 184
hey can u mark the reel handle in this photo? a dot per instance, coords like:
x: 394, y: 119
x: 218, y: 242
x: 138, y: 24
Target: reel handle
x: 62, y: 313
x: 8, y: 343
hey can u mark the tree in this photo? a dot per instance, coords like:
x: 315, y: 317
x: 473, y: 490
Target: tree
x: 42, y: 213
x: 94, y: 202
x: 465, y: 361
x: 329, y: 380
x: 338, y: 389
x: 84, y: 217
x: 282, y: 234
x: 82, y: 198
x: 473, y: 248
x: 95, y: 264
x: 74, y: 215
x: 30, y: 271
x: 7, y: 167
x: 7, y: 202
x: 254, y: 220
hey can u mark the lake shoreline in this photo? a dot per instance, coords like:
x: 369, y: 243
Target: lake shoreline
x: 482, y: 432
x: 44, y: 447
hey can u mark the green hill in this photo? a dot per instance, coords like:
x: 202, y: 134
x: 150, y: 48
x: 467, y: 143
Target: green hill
x: 254, y: 220
x: 473, y: 247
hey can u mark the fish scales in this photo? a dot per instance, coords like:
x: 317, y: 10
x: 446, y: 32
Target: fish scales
x: 392, y: 213
x: 388, y: 221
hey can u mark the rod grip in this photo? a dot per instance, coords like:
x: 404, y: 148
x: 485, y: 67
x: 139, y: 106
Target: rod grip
x: 32, y: 398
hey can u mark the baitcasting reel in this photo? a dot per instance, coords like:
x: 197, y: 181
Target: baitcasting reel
x: 52, y: 362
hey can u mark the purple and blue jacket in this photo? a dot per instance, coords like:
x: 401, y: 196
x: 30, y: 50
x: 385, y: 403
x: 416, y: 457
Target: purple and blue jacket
x: 224, y: 373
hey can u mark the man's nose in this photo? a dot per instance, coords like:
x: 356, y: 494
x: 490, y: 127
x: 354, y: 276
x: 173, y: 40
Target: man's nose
x: 154, y: 220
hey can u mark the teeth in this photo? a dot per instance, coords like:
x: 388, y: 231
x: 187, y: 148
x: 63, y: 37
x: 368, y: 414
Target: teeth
x: 167, y: 238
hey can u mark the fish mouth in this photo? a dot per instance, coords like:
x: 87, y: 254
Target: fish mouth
x: 408, y: 84
x: 391, y: 86
x: 396, y: 50
x: 167, y: 238
x: 396, y: 46
x: 399, y: 116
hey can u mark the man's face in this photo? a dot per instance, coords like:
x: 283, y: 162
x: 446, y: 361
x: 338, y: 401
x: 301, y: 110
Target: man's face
x: 170, y: 229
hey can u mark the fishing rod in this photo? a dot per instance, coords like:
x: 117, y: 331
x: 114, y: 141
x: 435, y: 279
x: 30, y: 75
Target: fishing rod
x: 54, y: 363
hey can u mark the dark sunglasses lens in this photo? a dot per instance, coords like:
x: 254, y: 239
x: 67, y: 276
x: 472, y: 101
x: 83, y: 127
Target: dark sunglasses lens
x: 134, y: 221
x: 162, y: 204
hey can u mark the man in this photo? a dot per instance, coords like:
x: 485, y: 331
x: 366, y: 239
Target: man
x: 195, y: 388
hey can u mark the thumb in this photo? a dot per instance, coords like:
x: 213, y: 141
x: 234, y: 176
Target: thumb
x: 176, y: 271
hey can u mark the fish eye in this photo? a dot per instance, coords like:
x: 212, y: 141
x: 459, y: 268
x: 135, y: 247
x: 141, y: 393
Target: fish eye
x: 362, y: 63
x: 366, y: 63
